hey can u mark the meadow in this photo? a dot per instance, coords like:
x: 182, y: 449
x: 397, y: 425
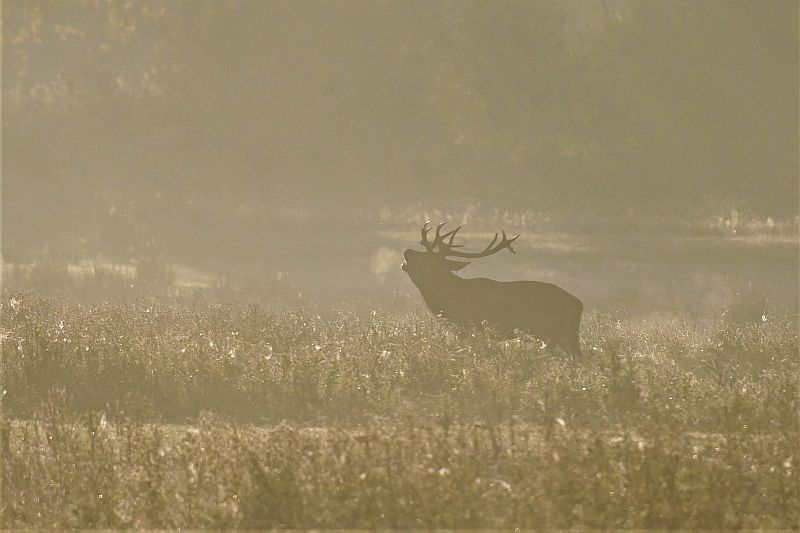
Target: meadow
x: 183, y: 413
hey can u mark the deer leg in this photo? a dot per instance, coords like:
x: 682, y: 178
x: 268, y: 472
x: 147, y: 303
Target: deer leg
x: 570, y: 343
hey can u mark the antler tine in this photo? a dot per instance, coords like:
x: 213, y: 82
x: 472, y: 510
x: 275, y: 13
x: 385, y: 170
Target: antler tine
x: 491, y: 243
x: 452, y: 235
x: 508, y: 242
x: 424, y: 232
x: 438, y: 238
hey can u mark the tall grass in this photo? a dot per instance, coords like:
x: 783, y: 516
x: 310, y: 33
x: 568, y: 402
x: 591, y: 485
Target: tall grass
x: 390, y: 421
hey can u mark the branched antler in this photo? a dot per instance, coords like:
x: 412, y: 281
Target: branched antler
x: 438, y: 240
x: 446, y: 249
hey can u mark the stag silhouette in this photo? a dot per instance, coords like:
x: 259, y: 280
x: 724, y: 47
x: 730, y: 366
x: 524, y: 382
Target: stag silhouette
x: 542, y: 309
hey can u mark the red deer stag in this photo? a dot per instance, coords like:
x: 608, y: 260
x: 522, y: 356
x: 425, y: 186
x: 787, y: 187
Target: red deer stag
x: 546, y: 311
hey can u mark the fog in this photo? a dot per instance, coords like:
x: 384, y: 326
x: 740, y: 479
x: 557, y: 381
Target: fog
x: 289, y: 151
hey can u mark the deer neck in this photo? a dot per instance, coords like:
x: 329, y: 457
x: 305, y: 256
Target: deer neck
x: 437, y: 290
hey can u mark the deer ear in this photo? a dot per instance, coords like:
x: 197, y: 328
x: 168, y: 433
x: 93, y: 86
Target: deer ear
x: 455, y: 265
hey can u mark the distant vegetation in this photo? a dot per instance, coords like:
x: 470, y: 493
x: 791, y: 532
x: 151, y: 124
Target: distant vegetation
x: 387, y: 420
x: 662, y: 263
x: 205, y: 131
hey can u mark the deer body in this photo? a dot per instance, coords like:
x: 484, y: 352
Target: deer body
x: 541, y: 309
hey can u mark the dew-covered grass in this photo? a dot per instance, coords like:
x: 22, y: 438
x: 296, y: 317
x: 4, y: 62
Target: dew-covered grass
x: 195, y: 415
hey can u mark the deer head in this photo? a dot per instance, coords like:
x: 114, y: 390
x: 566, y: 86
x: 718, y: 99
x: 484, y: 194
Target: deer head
x: 433, y: 263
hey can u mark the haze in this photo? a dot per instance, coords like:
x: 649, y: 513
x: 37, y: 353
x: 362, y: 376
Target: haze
x: 648, y: 152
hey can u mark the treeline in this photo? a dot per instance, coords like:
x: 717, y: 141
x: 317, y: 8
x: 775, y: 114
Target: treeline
x: 562, y: 106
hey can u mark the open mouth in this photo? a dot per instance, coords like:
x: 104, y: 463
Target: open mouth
x: 403, y: 266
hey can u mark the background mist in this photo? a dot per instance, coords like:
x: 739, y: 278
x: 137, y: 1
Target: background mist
x: 646, y: 151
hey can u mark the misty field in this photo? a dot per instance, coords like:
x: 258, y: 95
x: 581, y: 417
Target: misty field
x: 187, y: 414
